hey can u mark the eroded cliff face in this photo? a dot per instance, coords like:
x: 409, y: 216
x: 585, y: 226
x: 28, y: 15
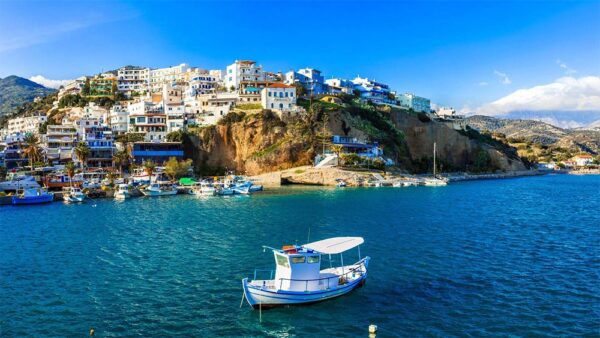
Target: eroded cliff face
x: 252, y: 146
x: 455, y: 150
x: 260, y: 143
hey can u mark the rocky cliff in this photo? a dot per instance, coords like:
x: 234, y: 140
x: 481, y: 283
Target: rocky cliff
x: 259, y: 143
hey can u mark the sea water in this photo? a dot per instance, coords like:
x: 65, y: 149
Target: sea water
x: 515, y: 257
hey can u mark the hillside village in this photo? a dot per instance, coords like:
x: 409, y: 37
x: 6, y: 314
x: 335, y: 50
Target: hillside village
x: 148, y: 104
x: 148, y: 109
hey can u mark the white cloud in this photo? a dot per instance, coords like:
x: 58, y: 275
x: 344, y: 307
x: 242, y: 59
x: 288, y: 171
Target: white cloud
x: 568, y: 70
x: 564, y: 94
x: 47, y: 82
x: 483, y: 83
x: 503, y: 77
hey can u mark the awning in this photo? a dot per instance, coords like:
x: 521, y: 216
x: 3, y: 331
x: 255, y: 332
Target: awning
x: 335, y: 245
x: 186, y: 181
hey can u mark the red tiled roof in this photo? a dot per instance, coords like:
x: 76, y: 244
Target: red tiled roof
x: 279, y: 85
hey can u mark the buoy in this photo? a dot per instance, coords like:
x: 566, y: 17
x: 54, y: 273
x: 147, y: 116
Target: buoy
x: 372, y: 328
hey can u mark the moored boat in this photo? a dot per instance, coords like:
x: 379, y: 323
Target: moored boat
x: 16, y: 182
x: 159, y: 189
x: 298, y: 278
x: 59, y: 181
x: 73, y: 194
x: 32, y: 196
x: 122, y: 192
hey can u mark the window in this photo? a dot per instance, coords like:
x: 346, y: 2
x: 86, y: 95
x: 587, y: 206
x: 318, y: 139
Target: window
x: 298, y: 259
x: 269, y: 94
x: 313, y: 259
x: 286, y: 94
x: 282, y: 261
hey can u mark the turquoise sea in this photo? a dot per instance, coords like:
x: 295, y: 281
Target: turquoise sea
x: 515, y: 257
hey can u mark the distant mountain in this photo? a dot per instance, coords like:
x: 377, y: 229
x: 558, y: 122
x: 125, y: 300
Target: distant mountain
x: 587, y: 140
x: 15, y: 91
x: 532, y: 130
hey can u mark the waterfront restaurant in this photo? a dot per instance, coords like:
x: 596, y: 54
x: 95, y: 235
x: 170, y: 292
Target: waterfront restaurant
x: 157, y: 152
x: 359, y: 147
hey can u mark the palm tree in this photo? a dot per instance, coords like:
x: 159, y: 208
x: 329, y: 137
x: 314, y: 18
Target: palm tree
x: 337, y: 149
x: 121, y: 158
x: 32, y: 149
x: 70, y: 169
x: 82, y: 151
x: 149, y: 167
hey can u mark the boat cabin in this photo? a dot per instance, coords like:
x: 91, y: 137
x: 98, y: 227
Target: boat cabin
x: 298, y: 268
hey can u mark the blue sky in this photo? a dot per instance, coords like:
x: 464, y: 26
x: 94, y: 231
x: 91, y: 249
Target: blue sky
x: 460, y: 54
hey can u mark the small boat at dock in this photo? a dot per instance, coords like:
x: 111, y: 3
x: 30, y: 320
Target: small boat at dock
x: 32, y: 196
x: 17, y: 182
x: 73, y: 194
x: 298, y: 278
x: 122, y: 192
x: 159, y: 189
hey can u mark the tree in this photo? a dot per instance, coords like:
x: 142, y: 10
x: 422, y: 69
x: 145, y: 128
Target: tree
x: 356, y: 93
x: 86, y: 88
x: 70, y: 169
x: 149, y: 167
x: 32, y: 149
x: 300, y: 90
x: 121, y: 158
x: 232, y: 88
x: 176, y: 169
x: 82, y: 151
x: 337, y: 149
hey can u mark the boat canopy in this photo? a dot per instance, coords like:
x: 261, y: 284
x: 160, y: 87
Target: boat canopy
x: 335, y: 245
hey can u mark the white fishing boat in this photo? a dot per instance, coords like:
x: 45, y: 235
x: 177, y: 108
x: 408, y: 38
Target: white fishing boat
x: 223, y: 189
x: 203, y: 188
x: 255, y: 188
x: 340, y: 183
x: 16, y: 182
x: 159, y: 189
x: 73, y: 194
x: 122, y: 192
x: 298, y: 278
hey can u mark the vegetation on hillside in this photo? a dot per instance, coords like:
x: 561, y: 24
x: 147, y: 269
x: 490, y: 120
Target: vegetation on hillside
x: 15, y: 91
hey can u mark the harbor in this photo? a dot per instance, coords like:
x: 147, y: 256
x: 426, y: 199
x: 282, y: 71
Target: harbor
x: 174, y: 265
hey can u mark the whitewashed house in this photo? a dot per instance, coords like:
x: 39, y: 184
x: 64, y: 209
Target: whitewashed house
x: 132, y: 80
x: 242, y: 71
x: 280, y: 98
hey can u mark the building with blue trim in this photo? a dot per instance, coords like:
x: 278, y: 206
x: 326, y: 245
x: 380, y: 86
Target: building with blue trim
x: 157, y: 152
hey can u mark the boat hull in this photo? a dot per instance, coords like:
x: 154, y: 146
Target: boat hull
x: 154, y: 193
x: 32, y: 199
x: 74, y: 198
x: 258, y: 297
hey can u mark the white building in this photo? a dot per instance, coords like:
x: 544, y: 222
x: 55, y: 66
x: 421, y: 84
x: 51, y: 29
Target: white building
x: 242, y: 71
x: 28, y: 124
x: 310, y: 78
x: 280, y: 98
x: 59, y: 142
x: 414, y: 102
x: 73, y: 88
x: 167, y: 75
x: 118, y: 119
x: 131, y: 80
x: 445, y: 112
x: 339, y: 86
x: 147, y: 117
x: 210, y: 108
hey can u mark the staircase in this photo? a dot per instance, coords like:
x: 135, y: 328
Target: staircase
x: 329, y: 161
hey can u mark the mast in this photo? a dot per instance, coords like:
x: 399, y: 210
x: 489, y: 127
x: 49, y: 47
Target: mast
x: 434, y: 159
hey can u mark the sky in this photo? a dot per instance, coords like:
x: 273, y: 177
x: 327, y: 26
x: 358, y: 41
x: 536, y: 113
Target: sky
x: 507, y: 58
